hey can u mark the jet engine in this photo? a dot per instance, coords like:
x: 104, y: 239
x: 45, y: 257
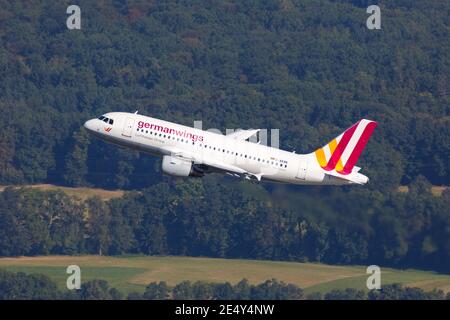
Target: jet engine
x: 175, y: 166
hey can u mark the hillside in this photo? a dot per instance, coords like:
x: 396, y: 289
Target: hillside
x: 85, y: 193
x: 233, y: 219
x: 82, y: 193
x: 307, y: 68
x: 133, y: 273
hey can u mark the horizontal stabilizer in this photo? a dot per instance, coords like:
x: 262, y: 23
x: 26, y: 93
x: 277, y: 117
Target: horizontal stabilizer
x: 355, y: 177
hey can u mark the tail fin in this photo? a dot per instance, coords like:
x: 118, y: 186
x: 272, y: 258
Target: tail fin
x: 342, y: 152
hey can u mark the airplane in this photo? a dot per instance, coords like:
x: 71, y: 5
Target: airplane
x: 188, y: 151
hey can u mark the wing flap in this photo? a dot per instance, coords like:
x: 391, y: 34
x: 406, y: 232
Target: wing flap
x: 175, y: 152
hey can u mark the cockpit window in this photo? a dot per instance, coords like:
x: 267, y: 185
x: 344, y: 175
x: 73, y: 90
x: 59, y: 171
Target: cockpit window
x: 106, y: 120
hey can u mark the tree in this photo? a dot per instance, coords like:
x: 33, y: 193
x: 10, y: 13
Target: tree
x: 274, y: 290
x: 242, y: 290
x: 223, y: 291
x: 316, y: 241
x: 98, y: 225
x: 388, y: 292
x: 98, y: 290
x: 20, y: 286
x: 25, y: 231
x: 135, y: 296
x: 183, y: 291
x: 314, y: 296
x: 156, y: 291
x: 124, y: 239
x: 346, y: 294
x: 64, y: 217
x: 202, y: 290
x: 76, y: 166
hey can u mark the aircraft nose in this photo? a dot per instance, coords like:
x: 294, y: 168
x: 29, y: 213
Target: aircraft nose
x: 89, y: 125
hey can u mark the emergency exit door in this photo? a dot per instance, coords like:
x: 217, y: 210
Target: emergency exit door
x: 302, y: 167
x: 128, y: 127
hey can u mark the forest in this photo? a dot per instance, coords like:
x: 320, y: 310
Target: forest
x: 20, y: 286
x: 307, y: 68
x: 235, y: 220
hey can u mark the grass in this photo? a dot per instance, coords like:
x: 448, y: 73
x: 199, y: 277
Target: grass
x: 114, y: 275
x: 84, y: 193
x: 80, y: 193
x: 133, y: 273
x: 435, y: 190
x: 413, y: 278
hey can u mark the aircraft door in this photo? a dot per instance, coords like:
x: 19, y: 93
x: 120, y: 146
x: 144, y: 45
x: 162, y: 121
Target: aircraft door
x: 302, y: 167
x: 128, y: 127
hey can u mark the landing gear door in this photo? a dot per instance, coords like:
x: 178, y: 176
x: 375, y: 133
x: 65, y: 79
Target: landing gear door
x: 302, y: 167
x: 128, y: 127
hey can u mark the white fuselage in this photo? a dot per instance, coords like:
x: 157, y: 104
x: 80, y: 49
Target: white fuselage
x: 159, y: 137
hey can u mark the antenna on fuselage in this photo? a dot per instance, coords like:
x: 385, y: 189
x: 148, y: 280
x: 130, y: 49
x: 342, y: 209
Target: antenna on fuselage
x: 136, y: 112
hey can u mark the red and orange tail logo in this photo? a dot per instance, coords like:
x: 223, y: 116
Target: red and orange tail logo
x: 107, y: 129
x: 342, y: 152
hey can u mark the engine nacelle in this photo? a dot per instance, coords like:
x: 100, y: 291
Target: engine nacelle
x: 180, y: 168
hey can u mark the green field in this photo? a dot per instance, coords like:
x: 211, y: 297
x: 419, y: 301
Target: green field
x: 133, y: 273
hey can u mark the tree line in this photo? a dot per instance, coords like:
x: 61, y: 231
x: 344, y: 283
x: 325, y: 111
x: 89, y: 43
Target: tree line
x: 21, y: 286
x: 226, y: 219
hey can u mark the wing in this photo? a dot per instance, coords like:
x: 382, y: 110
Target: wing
x: 242, y: 134
x: 214, y: 164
